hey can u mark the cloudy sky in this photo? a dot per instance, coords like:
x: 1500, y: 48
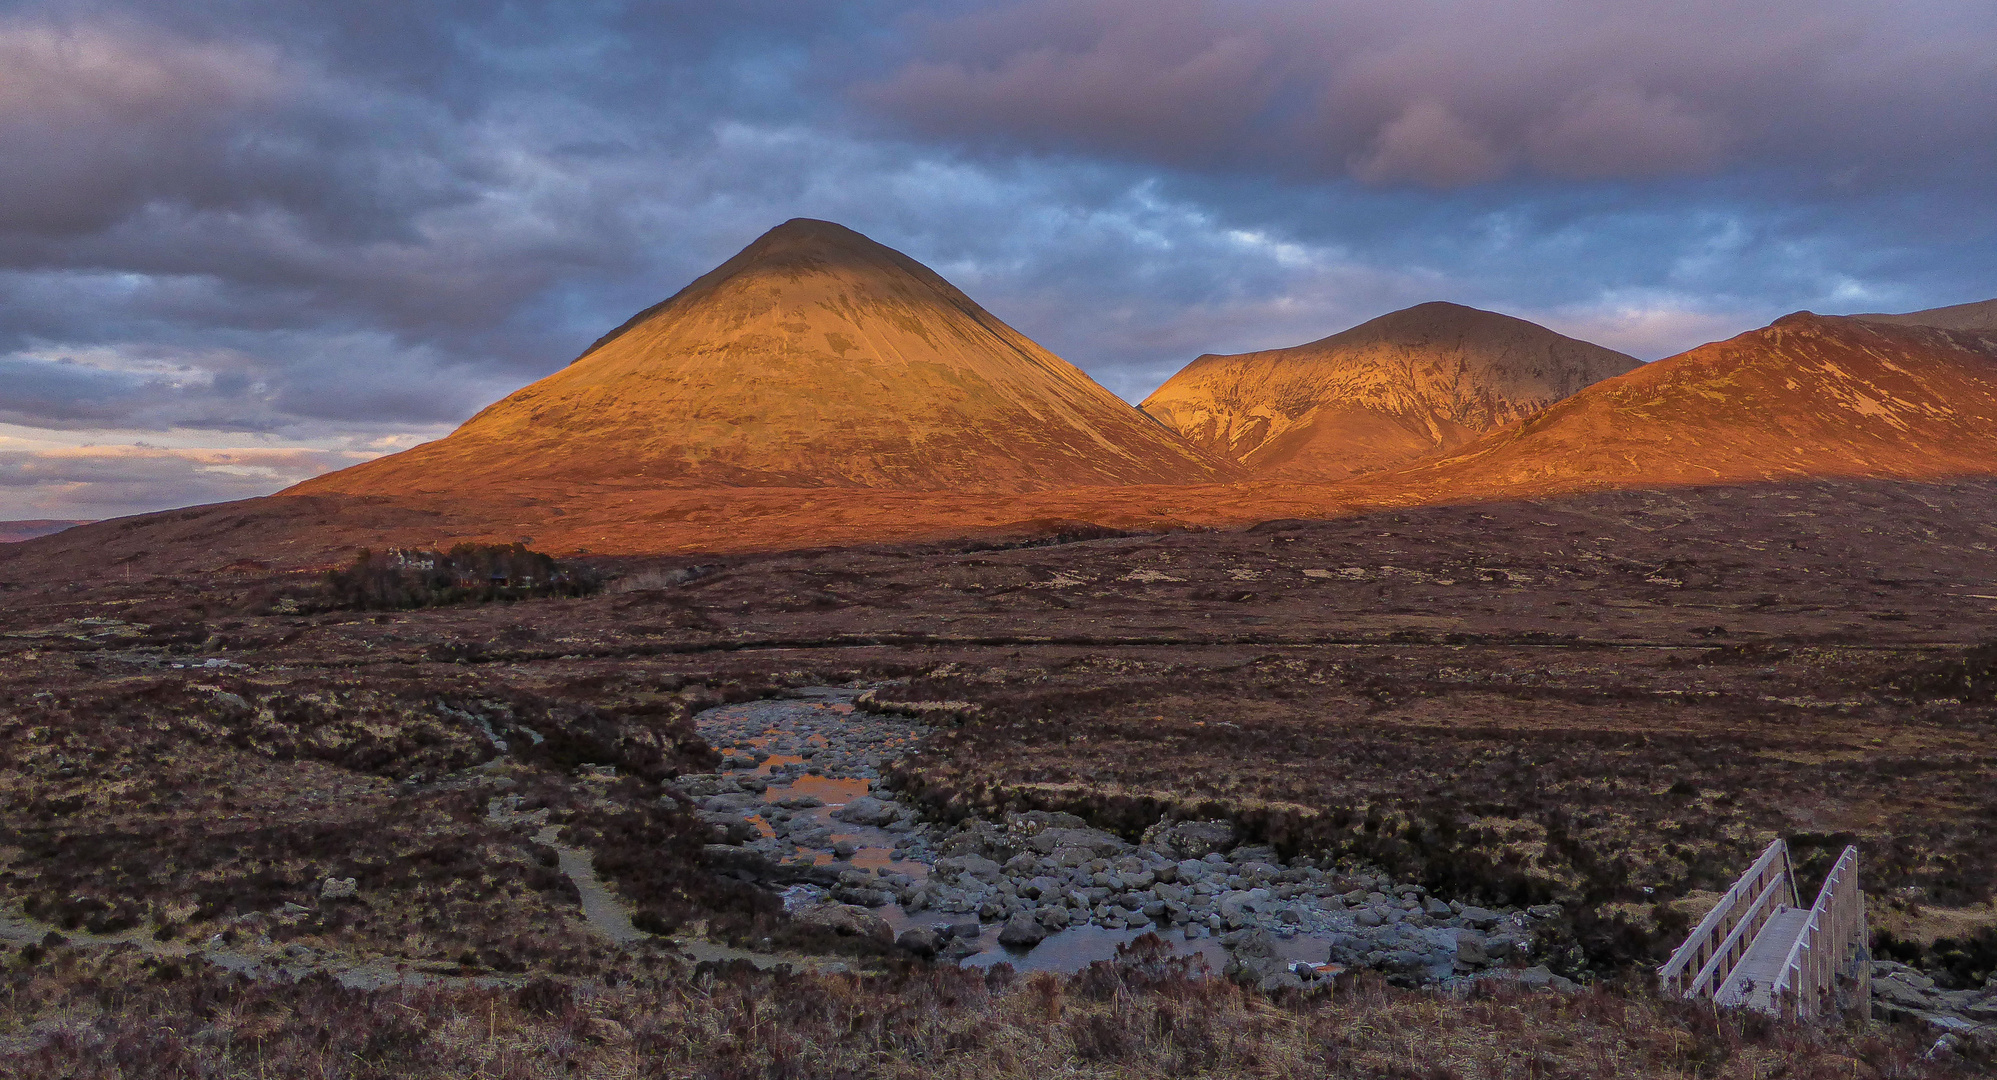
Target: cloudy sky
x: 245, y: 241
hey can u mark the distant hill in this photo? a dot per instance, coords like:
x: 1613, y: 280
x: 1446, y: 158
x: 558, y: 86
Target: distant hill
x: 1808, y: 396
x: 1981, y: 315
x: 1411, y: 384
x: 13, y: 532
x: 814, y: 358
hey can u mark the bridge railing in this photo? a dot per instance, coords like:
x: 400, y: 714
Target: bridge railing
x: 1717, y: 944
x: 1828, y: 970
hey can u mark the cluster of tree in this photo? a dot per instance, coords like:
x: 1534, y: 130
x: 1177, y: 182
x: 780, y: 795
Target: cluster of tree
x: 403, y: 578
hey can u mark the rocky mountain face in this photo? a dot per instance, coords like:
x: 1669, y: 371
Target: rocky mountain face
x: 814, y: 358
x: 1813, y: 396
x: 1407, y: 385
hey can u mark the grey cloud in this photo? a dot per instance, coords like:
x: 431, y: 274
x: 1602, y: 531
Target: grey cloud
x: 110, y: 481
x: 97, y: 118
x: 56, y: 394
x: 1448, y: 94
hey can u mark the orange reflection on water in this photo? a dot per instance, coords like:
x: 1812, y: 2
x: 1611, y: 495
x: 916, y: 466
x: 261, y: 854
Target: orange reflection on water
x: 833, y: 792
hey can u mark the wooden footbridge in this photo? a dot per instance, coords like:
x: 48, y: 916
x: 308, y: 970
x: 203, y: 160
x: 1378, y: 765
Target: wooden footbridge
x: 1760, y: 949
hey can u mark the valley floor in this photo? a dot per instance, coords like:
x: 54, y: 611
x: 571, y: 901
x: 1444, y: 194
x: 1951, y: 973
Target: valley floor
x: 1607, y: 703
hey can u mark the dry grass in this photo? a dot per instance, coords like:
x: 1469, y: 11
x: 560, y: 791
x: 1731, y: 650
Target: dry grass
x: 1611, y: 782
x: 74, y: 1016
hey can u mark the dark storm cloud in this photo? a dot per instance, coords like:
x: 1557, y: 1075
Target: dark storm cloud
x: 350, y: 225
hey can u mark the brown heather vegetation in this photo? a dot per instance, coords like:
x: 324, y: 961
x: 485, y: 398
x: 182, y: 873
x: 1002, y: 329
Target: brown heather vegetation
x: 75, y: 1016
x: 1486, y: 780
x: 1609, y: 700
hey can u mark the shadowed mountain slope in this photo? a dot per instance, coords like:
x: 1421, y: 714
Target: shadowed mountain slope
x: 814, y: 358
x: 1407, y: 385
x: 1808, y: 396
x: 13, y: 532
x: 1981, y: 315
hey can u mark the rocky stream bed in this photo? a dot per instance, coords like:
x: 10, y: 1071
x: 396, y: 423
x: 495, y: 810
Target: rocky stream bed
x: 801, y: 798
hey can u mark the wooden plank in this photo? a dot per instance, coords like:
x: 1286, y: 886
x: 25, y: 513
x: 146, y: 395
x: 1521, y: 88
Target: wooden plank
x: 1753, y: 981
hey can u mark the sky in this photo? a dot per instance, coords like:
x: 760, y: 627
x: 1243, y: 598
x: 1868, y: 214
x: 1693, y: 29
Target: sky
x: 243, y: 242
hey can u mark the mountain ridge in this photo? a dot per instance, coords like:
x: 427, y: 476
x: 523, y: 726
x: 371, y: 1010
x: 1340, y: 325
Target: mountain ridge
x: 1979, y: 315
x: 1808, y: 396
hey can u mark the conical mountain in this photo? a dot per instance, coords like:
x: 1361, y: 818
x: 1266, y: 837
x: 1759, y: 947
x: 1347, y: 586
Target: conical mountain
x: 1411, y: 384
x: 1809, y: 396
x: 814, y: 358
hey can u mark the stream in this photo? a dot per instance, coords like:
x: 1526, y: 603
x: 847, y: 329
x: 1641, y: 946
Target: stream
x: 801, y: 786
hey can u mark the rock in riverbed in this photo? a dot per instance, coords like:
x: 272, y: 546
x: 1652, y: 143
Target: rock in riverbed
x: 1022, y: 931
x: 847, y: 919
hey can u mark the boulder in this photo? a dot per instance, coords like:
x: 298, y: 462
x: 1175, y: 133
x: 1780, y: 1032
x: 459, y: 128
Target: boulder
x: 1481, y: 918
x: 339, y: 889
x: 1099, y: 843
x: 1470, y: 951
x: 1279, y: 981
x: 1041, y: 888
x: 1190, y: 839
x: 865, y: 810
x: 1895, y: 991
x: 729, y: 829
x: 976, y: 866
x: 1540, y: 976
x: 1234, y: 903
x: 847, y: 919
x: 959, y: 948
x: 731, y: 857
x: 1251, y: 955
x: 861, y: 896
x: 1024, y: 864
x: 1022, y: 931
x: 919, y: 940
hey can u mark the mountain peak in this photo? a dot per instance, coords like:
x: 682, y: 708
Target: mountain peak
x: 797, y: 247
x: 1407, y: 385
x: 807, y: 232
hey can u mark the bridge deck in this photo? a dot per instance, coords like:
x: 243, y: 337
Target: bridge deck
x: 1754, y: 977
